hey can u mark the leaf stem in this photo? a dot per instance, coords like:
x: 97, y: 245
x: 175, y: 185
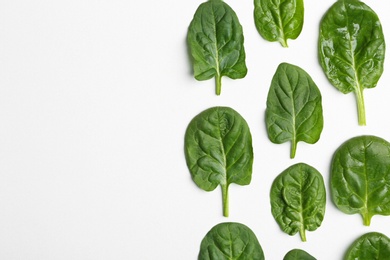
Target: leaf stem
x: 225, y: 200
x: 366, y: 219
x: 360, y: 106
x: 293, y: 149
x: 218, y: 84
x: 302, y: 234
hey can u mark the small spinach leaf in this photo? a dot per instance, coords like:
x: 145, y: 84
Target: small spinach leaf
x: 298, y: 254
x: 360, y: 177
x: 294, y: 107
x: 372, y: 246
x: 298, y: 199
x: 218, y: 150
x: 352, y: 49
x: 216, y: 42
x: 230, y: 241
x: 279, y: 20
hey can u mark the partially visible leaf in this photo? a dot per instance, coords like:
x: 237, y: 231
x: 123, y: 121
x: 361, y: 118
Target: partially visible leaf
x: 228, y: 241
x: 279, y: 20
x: 294, y: 107
x: 218, y: 150
x: 360, y: 177
x: 216, y: 42
x: 352, y: 49
x: 298, y: 199
x: 370, y: 246
x: 298, y: 254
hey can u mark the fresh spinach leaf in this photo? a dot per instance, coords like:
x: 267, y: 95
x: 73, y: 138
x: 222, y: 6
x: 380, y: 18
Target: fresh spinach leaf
x: 372, y: 246
x: 360, y: 177
x: 218, y: 150
x: 298, y: 199
x: 230, y: 241
x: 216, y: 43
x: 279, y: 20
x: 294, y: 107
x: 298, y: 254
x: 352, y: 49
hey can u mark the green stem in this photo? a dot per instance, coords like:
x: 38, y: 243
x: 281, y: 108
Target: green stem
x: 366, y: 219
x: 302, y: 234
x: 293, y: 149
x: 218, y: 84
x: 360, y: 107
x: 225, y: 200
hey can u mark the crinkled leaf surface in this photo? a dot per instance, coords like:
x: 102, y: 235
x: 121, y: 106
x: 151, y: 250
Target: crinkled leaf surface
x: 298, y: 199
x: 216, y: 43
x: 218, y: 150
x: 227, y: 241
x: 279, y: 20
x: 370, y: 246
x: 352, y: 49
x: 360, y: 177
x: 294, y: 107
x: 298, y: 254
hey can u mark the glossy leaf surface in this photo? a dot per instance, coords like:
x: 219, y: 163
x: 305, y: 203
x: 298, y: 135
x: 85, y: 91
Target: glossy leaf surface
x: 216, y: 43
x: 298, y: 199
x: 294, y: 107
x: 372, y: 246
x: 352, y: 49
x: 360, y: 177
x: 228, y: 241
x: 218, y: 150
x: 279, y: 20
x: 298, y: 254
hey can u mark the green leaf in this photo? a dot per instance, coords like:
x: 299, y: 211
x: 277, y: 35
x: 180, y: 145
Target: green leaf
x: 227, y: 241
x: 298, y: 254
x: 360, y: 177
x: 294, y: 108
x: 352, y: 49
x: 279, y: 20
x: 218, y: 150
x: 298, y: 199
x: 372, y: 246
x: 216, y: 43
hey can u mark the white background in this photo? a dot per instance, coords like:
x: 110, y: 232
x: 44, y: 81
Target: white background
x: 95, y: 98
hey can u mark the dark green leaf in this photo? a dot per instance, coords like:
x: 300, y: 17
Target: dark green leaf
x: 360, y: 177
x: 298, y: 199
x: 216, y: 43
x: 294, y: 107
x: 279, y: 20
x: 218, y: 150
x: 227, y: 241
x: 298, y: 254
x: 371, y: 246
x: 352, y: 49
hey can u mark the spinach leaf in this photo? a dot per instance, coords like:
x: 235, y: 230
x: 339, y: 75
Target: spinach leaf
x: 218, y: 150
x: 298, y: 254
x: 360, y: 177
x: 294, y: 108
x: 216, y: 42
x: 298, y: 199
x: 230, y: 241
x: 279, y: 20
x: 373, y: 246
x: 352, y: 49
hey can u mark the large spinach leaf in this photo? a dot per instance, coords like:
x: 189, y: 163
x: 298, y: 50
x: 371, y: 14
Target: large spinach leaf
x: 279, y: 20
x: 230, y: 241
x: 218, y: 150
x: 352, y: 49
x: 294, y: 107
x: 216, y: 42
x: 298, y: 199
x: 360, y: 177
x: 298, y: 254
x: 370, y: 246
